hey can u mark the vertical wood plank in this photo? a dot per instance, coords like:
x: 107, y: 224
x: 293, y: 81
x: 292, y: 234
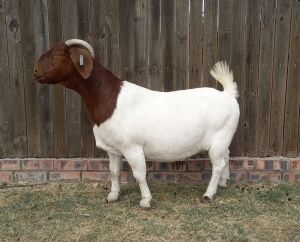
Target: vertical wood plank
x: 73, y: 100
x: 5, y: 140
x: 251, y: 77
x: 154, y: 39
x: 168, y: 44
x: 182, y: 45
x: 99, y: 40
x: 41, y: 36
x: 209, y: 41
x: 113, y: 29
x: 14, y: 141
x: 292, y: 106
x: 140, y: 42
x: 84, y: 27
x: 265, y: 76
x: 195, y: 44
x: 280, y: 57
x: 34, y: 29
x: 58, y: 91
x: 238, y: 68
x: 126, y: 39
x: 225, y: 32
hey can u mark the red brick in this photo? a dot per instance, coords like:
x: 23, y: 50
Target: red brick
x: 281, y: 165
x: 295, y: 165
x: 96, y: 176
x: 126, y: 167
x: 274, y: 176
x: 259, y: 165
x: 291, y: 176
x: 126, y: 177
x: 249, y: 164
x: 65, y: 175
x: 169, y: 166
x: 5, y: 176
x: 195, y: 165
x: 179, y: 176
x: 70, y: 165
x: 45, y: 165
x: 237, y: 164
x: 30, y: 176
x: 97, y: 165
x: 12, y: 165
x: 238, y: 175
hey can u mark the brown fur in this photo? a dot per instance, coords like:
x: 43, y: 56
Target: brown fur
x: 99, y: 91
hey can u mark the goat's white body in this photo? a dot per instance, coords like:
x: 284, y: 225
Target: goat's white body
x: 168, y: 126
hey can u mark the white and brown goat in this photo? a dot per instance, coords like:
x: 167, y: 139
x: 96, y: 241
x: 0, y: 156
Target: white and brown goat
x: 139, y: 123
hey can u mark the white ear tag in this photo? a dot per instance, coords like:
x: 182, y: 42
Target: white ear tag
x: 81, y: 60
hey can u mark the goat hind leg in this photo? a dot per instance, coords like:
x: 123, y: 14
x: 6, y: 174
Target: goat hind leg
x: 225, y: 173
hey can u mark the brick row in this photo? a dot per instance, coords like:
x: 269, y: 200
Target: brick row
x: 156, y: 176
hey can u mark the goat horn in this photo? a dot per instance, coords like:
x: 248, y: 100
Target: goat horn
x: 71, y: 42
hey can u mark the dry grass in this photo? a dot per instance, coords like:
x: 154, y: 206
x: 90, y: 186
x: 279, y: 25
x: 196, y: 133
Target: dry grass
x: 78, y: 212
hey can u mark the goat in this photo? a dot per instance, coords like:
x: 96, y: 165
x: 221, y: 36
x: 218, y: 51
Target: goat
x: 139, y: 123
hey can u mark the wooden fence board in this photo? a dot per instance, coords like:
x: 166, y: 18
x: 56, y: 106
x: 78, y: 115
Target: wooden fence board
x: 182, y: 45
x: 265, y: 76
x: 209, y: 41
x: 73, y: 100
x: 38, y: 98
x: 99, y: 39
x: 113, y: 30
x: 154, y: 38
x: 280, y: 57
x: 126, y: 40
x: 251, y: 77
x: 168, y: 44
x: 84, y: 29
x: 140, y: 42
x: 14, y: 95
x: 238, y: 67
x: 5, y: 104
x: 292, y: 106
x: 195, y: 44
x: 41, y: 36
x: 58, y: 91
x: 224, y: 32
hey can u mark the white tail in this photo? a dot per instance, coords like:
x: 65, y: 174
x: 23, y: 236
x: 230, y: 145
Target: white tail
x: 223, y: 75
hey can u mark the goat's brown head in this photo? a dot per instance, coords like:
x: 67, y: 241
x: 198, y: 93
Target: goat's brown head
x: 63, y: 61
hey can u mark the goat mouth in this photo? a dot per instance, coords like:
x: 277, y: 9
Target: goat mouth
x: 40, y: 79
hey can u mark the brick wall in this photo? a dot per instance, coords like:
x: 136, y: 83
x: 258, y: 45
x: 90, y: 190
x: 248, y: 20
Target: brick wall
x: 42, y: 170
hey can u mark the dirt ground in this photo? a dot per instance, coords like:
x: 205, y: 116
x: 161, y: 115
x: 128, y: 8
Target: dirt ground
x: 79, y: 212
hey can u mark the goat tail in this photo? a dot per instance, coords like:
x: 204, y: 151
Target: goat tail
x: 223, y: 75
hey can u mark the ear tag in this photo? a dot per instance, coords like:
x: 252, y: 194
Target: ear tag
x: 81, y: 60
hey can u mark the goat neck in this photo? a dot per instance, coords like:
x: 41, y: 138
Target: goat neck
x: 100, y: 92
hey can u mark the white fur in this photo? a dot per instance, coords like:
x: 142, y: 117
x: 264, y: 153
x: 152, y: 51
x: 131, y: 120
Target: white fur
x: 171, y: 126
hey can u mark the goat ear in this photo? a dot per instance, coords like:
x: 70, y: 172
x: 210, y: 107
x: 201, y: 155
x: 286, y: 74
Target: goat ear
x: 82, y: 60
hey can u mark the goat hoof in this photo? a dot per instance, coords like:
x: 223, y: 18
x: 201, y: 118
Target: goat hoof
x: 206, y: 199
x: 112, y: 197
x: 222, y: 182
x: 145, y: 203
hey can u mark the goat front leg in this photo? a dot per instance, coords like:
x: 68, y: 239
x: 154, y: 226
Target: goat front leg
x: 114, y: 167
x: 136, y: 160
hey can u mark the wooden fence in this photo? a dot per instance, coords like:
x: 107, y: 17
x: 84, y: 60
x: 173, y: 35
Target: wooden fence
x: 162, y: 44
